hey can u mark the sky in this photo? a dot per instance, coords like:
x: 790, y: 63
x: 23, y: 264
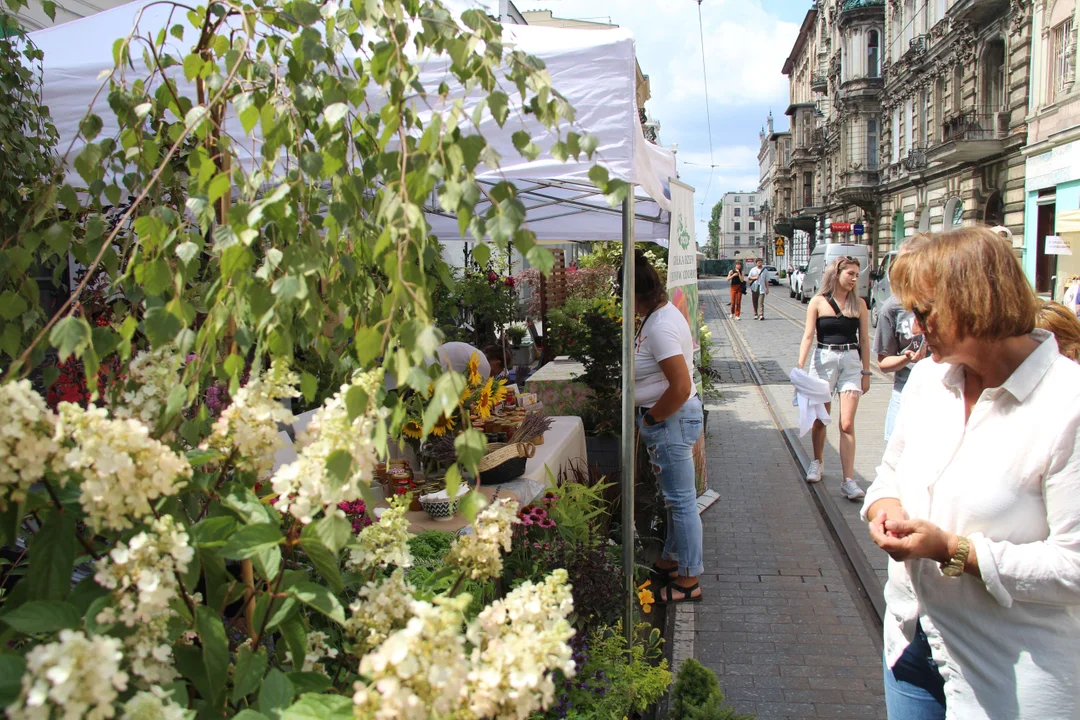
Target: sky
x: 746, y: 43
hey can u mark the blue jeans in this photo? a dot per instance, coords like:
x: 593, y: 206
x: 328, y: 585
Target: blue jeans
x: 914, y: 689
x: 671, y: 450
x: 890, y: 414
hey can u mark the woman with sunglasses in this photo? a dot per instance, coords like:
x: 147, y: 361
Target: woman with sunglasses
x: 839, y: 321
x: 977, y: 500
x: 669, y: 418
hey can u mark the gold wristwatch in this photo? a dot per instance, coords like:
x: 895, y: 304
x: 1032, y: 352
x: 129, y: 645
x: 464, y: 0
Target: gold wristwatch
x: 955, y: 566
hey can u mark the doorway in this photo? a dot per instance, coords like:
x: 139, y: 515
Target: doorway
x: 1045, y: 265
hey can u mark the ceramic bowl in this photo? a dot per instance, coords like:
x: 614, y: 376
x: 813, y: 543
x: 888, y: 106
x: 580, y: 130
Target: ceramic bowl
x: 439, y: 506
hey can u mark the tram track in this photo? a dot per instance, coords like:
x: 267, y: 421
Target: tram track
x: 862, y: 579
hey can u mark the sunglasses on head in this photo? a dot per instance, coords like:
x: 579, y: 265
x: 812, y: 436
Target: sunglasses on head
x: 851, y: 259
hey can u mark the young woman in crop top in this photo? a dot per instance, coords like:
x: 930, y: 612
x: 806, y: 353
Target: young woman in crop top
x: 737, y: 280
x: 838, y: 319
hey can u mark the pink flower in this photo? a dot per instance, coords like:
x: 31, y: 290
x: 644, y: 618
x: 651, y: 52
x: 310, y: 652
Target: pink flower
x: 547, y: 523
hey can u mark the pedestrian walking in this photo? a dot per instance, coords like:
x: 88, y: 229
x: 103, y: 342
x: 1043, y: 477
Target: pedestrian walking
x: 1065, y: 326
x: 738, y: 289
x: 759, y: 287
x: 977, y: 499
x: 896, y: 345
x: 669, y: 418
x: 837, y: 318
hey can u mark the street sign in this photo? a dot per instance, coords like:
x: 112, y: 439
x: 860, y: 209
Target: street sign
x: 841, y: 227
x: 779, y: 246
x: 858, y: 229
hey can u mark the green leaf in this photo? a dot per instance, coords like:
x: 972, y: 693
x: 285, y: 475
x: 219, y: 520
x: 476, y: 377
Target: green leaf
x: 305, y: 12
x: 43, y: 616
x: 249, y: 714
x: 212, y: 532
x: 289, y: 288
x: 320, y: 707
x: 247, y: 505
x: 334, y: 113
x: 453, y: 480
x: 309, y: 386
x: 319, y: 598
x: 9, y: 523
x: 52, y: 557
x: 190, y: 664
x: 11, y: 305
x: 251, y: 540
x: 325, y: 561
x: 12, y: 668
x: 177, y: 400
x: 90, y: 127
x: 481, y: 253
x: 499, y: 103
x: 368, y: 345
x: 356, y: 401
x: 471, y: 446
x: 250, y: 668
x: 192, y: 66
x: 541, y: 258
x: 276, y: 694
x: 309, y: 682
x: 215, y: 650
x: 599, y: 175
x: 338, y: 467
x: 50, y: 9
x: 471, y: 505
x: 160, y: 326
x: 615, y: 192
x: 70, y: 336
x: 187, y: 252
x: 332, y: 531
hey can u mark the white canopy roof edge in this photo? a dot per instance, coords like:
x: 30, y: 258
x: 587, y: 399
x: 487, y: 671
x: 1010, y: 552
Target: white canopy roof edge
x: 593, y: 69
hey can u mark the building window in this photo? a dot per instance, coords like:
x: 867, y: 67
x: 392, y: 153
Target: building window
x: 738, y: 240
x: 1061, y: 70
x: 871, y: 144
x: 808, y: 189
x: 738, y: 211
x: 958, y: 88
x: 909, y: 125
x: 873, y: 54
x: 752, y: 200
x: 895, y: 131
x: 738, y: 199
x: 939, y: 108
x: 993, y: 80
x: 753, y: 212
x: 750, y: 227
x: 924, y: 112
x: 738, y: 226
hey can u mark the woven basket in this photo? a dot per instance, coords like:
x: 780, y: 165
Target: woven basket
x: 506, y: 463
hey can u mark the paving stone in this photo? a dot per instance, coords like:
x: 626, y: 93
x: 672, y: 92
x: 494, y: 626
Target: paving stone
x: 777, y: 623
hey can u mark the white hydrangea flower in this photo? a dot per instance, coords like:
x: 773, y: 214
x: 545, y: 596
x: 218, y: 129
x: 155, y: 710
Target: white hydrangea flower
x: 420, y: 671
x: 518, y: 642
x: 151, y: 376
x: 123, y: 469
x: 74, y: 678
x: 385, y: 542
x: 318, y: 647
x: 480, y: 553
x: 380, y: 609
x: 142, y: 576
x: 247, y: 429
x: 304, y: 487
x: 28, y: 448
x: 154, y: 704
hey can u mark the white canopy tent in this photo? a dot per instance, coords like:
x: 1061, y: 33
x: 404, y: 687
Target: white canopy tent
x: 593, y: 69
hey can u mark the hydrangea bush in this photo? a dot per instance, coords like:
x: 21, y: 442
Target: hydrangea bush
x: 164, y: 564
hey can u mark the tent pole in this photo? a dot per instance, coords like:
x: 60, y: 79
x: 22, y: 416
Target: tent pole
x: 629, y: 461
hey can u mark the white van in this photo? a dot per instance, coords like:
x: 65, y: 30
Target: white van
x: 823, y: 256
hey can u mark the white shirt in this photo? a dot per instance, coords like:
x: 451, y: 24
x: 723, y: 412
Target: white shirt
x: 455, y: 356
x: 759, y: 279
x: 811, y: 394
x: 665, y: 334
x: 1008, y: 644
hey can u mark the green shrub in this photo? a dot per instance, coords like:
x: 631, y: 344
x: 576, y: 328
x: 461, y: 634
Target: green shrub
x: 697, y: 695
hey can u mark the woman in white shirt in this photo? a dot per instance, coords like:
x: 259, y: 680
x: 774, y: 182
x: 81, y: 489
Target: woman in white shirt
x: 977, y: 500
x: 669, y: 415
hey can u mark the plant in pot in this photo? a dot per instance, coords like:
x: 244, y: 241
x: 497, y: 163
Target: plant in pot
x: 514, y: 335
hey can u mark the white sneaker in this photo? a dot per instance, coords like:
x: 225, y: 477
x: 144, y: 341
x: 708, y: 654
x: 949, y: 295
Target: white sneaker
x: 738, y: 317
x: 851, y: 490
x: 813, y: 473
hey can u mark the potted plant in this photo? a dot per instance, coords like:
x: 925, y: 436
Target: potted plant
x: 514, y: 335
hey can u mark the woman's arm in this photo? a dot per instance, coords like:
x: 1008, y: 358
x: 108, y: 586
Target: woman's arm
x: 678, y: 391
x: 864, y: 343
x: 809, y: 330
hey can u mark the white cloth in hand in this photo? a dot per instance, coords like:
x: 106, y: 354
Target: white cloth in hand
x: 811, y: 394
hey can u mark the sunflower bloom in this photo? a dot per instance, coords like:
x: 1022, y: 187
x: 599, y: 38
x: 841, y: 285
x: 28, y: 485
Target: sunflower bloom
x: 498, y: 395
x: 484, y: 403
x: 443, y: 426
x: 473, y: 370
x: 413, y: 430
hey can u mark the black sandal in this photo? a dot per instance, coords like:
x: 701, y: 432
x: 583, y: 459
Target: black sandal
x: 686, y: 592
x: 664, y: 575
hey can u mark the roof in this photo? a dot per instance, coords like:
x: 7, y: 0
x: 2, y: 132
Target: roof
x: 800, y: 42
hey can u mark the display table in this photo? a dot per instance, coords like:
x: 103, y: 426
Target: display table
x: 557, y: 388
x: 564, y: 444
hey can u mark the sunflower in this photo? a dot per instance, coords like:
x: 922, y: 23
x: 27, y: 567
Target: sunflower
x: 443, y: 426
x: 413, y: 430
x: 473, y: 370
x: 498, y: 395
x: 484, y: 402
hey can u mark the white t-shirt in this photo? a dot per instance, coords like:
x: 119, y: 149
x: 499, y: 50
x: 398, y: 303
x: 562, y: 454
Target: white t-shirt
x: 759, y: 278
x: 664, y: 335
x: 455, y: 356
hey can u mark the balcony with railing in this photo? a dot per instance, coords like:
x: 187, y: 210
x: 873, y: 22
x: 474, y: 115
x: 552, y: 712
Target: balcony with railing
x: 819, y: 81
x: 916, y: 160
x: 972, y: 134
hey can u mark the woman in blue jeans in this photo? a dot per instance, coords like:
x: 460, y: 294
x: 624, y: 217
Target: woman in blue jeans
x: 670, y: 420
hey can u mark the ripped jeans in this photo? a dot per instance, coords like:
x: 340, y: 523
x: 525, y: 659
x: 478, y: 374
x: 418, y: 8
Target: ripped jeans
x: 671, y: 450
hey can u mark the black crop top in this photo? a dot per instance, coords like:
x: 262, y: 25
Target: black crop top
x: 838, y: 329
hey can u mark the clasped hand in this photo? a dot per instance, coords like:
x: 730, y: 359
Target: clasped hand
x: 906, y: 539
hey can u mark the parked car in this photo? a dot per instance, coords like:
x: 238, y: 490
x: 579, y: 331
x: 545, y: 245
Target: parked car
x: 824, y: 255
x: 774, y: 274
x: 881, y: 290
x: 795, y: 280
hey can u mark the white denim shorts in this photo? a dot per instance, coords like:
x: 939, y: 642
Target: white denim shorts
x: 842, y: 369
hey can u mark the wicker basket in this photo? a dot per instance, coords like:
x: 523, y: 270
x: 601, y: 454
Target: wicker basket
x: 506, y: 463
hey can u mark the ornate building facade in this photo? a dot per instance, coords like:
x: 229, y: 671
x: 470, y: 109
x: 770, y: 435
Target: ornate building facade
x: 774, y: 188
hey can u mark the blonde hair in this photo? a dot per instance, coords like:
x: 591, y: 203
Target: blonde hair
x: 970, y: 281
x: 1063, y: 322
x: 831, y: 279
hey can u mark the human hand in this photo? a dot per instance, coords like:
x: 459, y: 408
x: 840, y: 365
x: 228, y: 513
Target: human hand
x: 912, y: 539
x: 865, y: 384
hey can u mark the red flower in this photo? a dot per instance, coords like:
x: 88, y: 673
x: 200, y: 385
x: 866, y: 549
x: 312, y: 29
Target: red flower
x: 509, y: 282
x: 492, y: 278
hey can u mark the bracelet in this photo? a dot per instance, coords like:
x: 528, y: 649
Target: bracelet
x: 867, y: 372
